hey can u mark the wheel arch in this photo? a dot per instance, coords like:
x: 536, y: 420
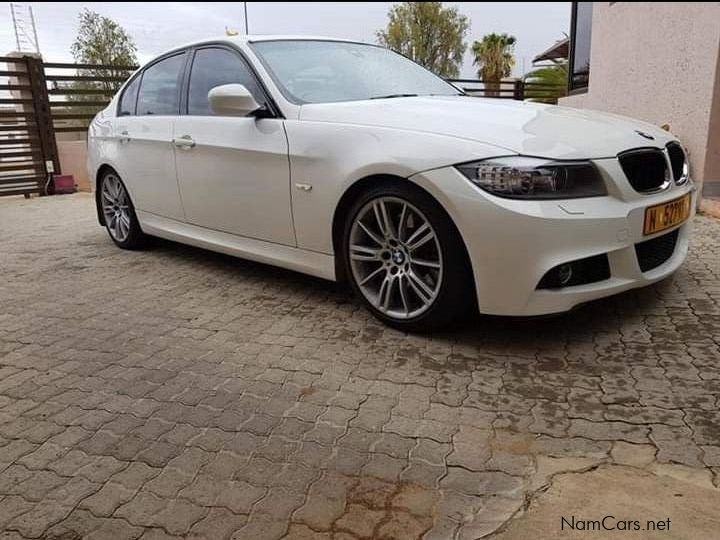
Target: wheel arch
x: 354, y: 190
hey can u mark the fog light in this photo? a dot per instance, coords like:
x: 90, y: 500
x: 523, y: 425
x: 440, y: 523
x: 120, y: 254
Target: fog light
x: 579, y: 272
x: 564, y: 274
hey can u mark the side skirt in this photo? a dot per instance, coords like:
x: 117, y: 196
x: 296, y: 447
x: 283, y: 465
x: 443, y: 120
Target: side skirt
x: 300, y: 260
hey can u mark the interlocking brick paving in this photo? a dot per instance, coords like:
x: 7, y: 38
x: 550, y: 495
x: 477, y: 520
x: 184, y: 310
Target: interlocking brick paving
x: 174, y: 392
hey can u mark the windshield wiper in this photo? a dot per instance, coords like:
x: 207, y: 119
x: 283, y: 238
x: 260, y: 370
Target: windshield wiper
x: 391, y: 96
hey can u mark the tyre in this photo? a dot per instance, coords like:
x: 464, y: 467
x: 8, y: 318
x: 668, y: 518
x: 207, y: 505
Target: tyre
x: 405, y: 259
x: 118, y: 213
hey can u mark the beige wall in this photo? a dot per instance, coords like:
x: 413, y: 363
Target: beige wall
x: 712, y: 158
x: 73, y: 158
x: 657, y: 61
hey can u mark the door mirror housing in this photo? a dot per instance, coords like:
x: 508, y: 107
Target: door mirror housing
x: 232, y: 100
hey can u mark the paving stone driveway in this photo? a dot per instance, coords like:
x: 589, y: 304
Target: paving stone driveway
x: 174, y: 392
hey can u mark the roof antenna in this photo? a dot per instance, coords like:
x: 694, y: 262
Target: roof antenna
x: 246, y: 19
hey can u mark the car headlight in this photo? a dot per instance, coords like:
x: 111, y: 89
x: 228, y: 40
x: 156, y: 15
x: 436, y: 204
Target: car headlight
x: 521, y: 177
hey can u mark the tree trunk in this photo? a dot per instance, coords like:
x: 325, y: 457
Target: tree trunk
x: 492, y: 88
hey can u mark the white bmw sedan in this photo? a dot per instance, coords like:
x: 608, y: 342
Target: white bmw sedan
x: 347, y: 161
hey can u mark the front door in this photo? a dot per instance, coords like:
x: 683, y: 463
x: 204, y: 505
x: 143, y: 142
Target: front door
x: 233, y: 172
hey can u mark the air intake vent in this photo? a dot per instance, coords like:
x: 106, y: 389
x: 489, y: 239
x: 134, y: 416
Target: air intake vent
x: 645, y: 169
x: 653, y: 253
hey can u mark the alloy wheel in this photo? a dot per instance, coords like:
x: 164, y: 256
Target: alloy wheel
x: 115, y: 205
x: 395, y: 257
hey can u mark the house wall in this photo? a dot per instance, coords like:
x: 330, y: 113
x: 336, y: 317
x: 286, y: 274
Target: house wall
x: 73, y: 160
x: 712, y: 158
x: 658, y: 61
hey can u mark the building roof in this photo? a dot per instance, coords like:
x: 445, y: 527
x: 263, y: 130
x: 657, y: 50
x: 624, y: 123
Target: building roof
x: 559, y: 51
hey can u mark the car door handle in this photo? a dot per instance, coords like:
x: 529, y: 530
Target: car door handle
x: 124, y: 137
x: 185, y: 142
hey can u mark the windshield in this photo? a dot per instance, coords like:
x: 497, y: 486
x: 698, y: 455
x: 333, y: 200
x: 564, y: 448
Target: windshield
x: 330, y: 71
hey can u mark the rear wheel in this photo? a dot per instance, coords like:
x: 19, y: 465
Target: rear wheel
x: 119, y: 214
x: 405, y: 259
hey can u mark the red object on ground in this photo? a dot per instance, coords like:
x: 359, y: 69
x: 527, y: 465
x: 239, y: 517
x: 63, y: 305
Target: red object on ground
x: 64, y: 183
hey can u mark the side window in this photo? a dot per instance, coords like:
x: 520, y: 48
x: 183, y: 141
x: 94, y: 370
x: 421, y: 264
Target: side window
x: 215, y: 67
x: 127, y: 101
x: 159, y: 87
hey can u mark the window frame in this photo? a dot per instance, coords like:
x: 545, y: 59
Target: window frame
x: 273, y: 109
x: 139, y: 76
x: 574, y: 89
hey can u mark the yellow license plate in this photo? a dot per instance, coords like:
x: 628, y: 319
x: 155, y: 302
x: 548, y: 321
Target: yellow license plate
x: 662, y: 216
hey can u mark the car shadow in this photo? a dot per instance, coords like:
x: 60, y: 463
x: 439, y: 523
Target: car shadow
x: 604, y: 316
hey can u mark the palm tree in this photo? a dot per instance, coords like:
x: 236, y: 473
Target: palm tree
x: 494, y: 58
x: 547, y: 83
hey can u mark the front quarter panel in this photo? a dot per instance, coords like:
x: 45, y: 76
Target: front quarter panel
x: 332, y: 157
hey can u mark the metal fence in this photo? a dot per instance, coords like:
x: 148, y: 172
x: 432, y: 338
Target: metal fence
x: 514, y: 89
x: 27, y: 144
x: 78, y: 91
x: 38, y: 100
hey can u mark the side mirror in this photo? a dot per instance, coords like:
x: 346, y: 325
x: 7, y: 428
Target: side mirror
x: 233, y: 100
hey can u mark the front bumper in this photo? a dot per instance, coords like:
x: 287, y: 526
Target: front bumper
x: 513, y: 243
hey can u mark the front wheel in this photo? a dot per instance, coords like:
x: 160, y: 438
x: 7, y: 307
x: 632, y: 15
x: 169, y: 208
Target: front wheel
x: 406, y: 260
x: 119, y: 214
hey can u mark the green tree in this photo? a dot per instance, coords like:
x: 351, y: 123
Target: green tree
x: 101, y: 41
x: 547, y: 83
x: 494, y: 58
x: 428, y: 33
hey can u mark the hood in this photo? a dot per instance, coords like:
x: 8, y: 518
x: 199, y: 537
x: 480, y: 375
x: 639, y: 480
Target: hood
x: 530, y: 129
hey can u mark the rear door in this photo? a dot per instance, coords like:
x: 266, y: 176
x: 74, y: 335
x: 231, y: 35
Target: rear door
x: 149, y: 108
x: 233, y: 171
